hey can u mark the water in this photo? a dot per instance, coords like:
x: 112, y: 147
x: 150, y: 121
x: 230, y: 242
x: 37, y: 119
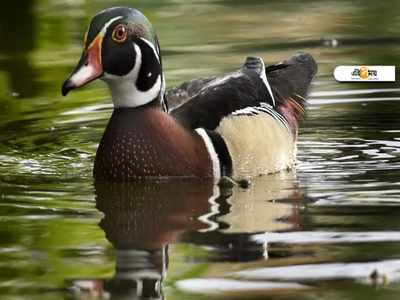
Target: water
x: 328, y: 230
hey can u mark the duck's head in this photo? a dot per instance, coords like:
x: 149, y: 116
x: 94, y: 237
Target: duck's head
x: 121, y: 48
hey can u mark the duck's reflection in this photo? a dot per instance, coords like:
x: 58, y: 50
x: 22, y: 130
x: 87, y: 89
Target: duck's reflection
x: 270, y: 204
x: 150, y: 215
x: 142, y: 219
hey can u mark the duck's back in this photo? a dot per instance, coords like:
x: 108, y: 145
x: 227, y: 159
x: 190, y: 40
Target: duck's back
x: 256, y: 117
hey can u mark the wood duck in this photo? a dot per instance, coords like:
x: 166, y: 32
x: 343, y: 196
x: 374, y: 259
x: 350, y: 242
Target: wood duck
x: 239, y: 125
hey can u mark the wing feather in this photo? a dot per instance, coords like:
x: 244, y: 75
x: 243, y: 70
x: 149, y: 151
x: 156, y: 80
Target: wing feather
x: 205, y: 102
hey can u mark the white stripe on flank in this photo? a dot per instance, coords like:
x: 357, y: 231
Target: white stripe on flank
x: 263, y: 77
x: 211, y: 151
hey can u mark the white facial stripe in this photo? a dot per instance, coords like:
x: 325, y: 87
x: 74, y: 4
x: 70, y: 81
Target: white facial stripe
x: 158, y: 48
x: 211, y: 151
x: 163, y: 84
x: 105, y: 27
x: 123, y: 88
x: 152, y: 47
x: 163, y: 102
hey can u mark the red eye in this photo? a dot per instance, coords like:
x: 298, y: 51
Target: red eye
x: 120, y: 33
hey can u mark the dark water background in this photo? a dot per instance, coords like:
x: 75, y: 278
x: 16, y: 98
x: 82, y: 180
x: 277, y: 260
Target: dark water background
x: 330, y: 230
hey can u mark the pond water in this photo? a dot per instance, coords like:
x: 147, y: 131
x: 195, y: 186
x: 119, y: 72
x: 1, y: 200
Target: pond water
x: 329, y: 230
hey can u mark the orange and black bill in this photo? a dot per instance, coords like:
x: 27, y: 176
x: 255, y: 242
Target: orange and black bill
x: 88, y: 69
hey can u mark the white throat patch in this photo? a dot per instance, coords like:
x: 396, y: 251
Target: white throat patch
x: 123, y: 89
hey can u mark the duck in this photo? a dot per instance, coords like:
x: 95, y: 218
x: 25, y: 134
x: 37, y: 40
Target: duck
x: 237, y: 125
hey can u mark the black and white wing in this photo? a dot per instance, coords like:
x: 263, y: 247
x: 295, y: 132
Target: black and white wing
x: 184, y: 92
x: 279, y: 89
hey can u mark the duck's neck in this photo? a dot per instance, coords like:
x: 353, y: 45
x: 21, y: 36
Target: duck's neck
x: 146, y: 142
x: 125, y: 93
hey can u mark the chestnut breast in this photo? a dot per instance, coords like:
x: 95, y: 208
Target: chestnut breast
x: 146, y: 142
